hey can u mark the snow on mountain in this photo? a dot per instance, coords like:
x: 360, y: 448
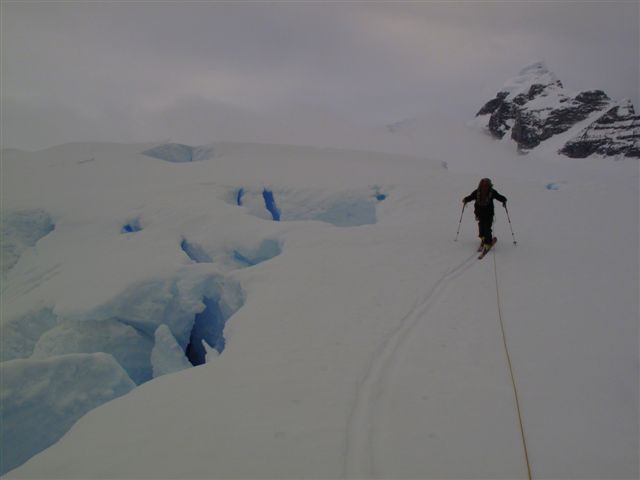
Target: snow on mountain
x: 536, y: 73
x: 615, y: 133
x: 337, y: 329
x: 534, y: 106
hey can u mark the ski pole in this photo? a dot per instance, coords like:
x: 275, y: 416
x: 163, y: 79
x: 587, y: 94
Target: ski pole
x: 460, y: 222
x: 512, y: 235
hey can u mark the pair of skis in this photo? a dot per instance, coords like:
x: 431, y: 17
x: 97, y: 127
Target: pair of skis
x: 484, y: 249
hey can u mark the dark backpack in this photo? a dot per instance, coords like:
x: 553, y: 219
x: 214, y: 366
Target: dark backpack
x: 484, y: 193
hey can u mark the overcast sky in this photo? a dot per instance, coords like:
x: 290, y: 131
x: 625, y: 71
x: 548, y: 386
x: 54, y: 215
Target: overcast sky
x: 195, y: 72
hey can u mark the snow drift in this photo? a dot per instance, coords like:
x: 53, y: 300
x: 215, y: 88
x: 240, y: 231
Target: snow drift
x: 41, y: 399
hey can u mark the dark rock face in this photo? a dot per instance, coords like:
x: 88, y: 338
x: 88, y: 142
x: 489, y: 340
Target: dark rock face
x: 492, y: 105
x: 534, y: 107
x: 534, y: 126
x: 616, y: 133
x: 502, y: 117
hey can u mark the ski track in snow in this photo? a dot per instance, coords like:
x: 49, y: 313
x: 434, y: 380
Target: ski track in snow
x: 359, y: 459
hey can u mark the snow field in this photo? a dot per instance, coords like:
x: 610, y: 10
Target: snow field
x: 359, y: 349
x: 146, y: 272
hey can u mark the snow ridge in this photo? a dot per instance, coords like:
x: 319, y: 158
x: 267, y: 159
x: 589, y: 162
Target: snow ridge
x: 60, y: 390
x: 20, y: 231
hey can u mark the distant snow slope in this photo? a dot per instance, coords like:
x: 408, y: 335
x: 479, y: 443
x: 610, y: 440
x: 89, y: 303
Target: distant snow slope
x: 348, y: 335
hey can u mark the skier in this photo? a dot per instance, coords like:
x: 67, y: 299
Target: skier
x: 483, y: 209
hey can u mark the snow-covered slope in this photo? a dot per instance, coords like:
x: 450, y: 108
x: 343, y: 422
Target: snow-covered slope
x: 338, y: 328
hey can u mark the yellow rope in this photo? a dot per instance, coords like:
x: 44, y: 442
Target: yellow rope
x: 513, y: 381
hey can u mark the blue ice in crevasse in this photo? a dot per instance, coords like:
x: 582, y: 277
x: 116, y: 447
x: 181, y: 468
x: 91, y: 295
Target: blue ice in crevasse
x: 195, y: 252
x: 208, y: 327
x: 270, y: 204
x: 341, y: 209
x: 131, y: 226
x: 241, y: 259
x: 379, y: 196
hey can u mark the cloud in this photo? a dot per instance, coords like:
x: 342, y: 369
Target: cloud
x: 72, y: 69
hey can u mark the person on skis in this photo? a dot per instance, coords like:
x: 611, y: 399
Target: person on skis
x: 483, y: 209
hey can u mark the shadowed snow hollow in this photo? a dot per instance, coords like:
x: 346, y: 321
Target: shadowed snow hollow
x: 233, y: 257
x: 179, y: 153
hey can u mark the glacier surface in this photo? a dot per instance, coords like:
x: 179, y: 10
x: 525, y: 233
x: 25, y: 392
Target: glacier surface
x: 351, y: 338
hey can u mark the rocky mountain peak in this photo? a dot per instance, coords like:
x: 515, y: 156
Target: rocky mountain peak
x: 535, y: 76
x: 534, y: 106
